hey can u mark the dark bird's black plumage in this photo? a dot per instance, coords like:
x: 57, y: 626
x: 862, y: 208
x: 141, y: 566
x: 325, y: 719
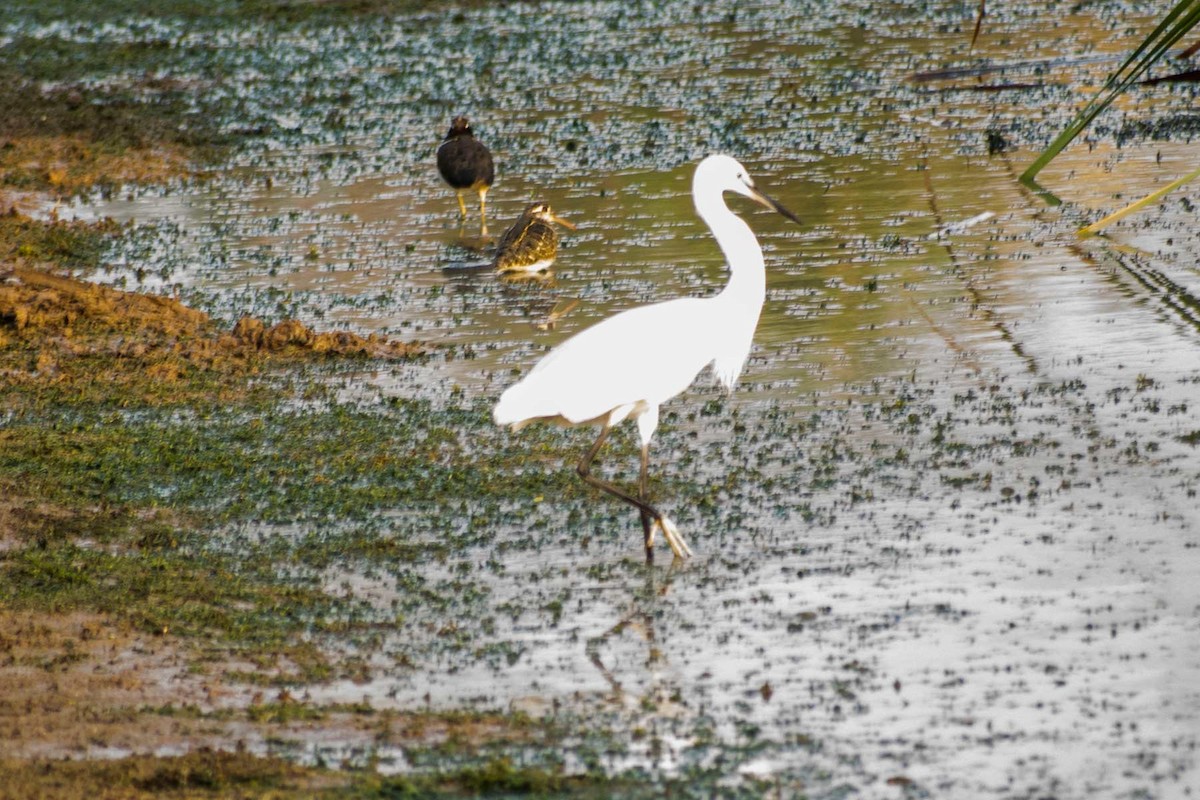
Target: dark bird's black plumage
x: 465, y: 163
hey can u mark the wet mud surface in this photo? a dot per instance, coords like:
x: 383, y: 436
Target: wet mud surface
x: 946, y: 529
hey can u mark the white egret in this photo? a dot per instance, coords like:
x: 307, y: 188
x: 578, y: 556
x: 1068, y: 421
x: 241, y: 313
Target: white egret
x: 626, y: 366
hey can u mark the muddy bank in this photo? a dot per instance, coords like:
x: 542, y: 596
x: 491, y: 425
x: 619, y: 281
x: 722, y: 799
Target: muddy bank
x: 48, y: 311
x: 71, y: 138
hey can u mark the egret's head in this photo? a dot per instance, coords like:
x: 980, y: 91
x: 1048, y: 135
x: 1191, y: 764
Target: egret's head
x: 726, y: 174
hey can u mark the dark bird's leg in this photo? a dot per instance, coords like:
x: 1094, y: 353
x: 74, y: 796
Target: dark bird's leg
x: 483, y: 231
x: 462, y: 207
x: 678, y: 545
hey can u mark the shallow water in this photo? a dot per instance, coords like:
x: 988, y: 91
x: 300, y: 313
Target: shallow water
x: 955, y: 527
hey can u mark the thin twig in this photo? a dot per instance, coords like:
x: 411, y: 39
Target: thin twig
x: 1095, y: 227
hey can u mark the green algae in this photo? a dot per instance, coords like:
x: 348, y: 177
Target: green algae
x: 260, y: 460
x: 70, y: 245
x: 198, y: 774
x: 159, y: 592
x: 134, y: 487
x: 222, y: 12
x: 217, y: 774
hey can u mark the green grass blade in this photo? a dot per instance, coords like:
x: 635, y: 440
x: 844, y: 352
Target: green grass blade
x: 1171, y: 16
x: 1174, y: 26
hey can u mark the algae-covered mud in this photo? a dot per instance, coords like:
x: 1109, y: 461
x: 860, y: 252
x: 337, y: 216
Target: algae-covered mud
x: 946, y: 528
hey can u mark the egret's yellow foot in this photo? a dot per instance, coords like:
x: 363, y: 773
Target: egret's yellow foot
x: 674, y: 538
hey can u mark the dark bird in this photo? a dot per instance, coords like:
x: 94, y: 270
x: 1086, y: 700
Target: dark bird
x: 465, y: 163
x: 531, y: 244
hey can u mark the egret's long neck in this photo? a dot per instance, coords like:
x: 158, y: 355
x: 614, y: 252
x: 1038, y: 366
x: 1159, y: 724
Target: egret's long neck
x: 747, y: 279
x: 739, y: 304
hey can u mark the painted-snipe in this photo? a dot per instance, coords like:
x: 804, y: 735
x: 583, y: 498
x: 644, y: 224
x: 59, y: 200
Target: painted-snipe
x: 531, y: 244
x: 465, y: 163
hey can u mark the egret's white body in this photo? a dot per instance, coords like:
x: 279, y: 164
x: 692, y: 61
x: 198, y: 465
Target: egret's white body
x: 626, y: 366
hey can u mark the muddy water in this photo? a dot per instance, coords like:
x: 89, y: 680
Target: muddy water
x: 954, y: 543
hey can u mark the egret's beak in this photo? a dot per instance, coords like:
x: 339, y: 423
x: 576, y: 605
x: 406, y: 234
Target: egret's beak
x: 562, y: 221
x: 766, y: 200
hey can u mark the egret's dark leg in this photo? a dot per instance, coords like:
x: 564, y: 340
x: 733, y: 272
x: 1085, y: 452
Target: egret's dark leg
x: 643, y: 494
x: 584, y: 470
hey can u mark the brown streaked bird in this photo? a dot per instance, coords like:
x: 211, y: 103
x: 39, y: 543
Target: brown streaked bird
x: 465, y: 163
x: 531, y: 244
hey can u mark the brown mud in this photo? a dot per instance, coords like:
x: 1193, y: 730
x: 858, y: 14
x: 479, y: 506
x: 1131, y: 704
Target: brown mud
x: 82, y: 684
x: 67, y: 317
